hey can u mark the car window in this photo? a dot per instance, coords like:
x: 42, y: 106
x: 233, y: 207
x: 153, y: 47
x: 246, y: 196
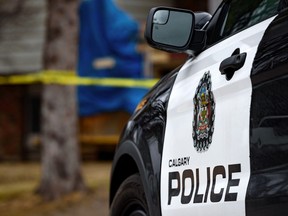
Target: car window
x: 245, y: 13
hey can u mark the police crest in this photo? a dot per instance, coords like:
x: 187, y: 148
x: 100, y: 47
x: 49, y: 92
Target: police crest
x: 204, y: 114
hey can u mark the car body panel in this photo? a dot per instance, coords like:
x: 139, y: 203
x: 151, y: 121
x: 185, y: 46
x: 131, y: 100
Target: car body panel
x: 230, y: 139
x: 141, y: 144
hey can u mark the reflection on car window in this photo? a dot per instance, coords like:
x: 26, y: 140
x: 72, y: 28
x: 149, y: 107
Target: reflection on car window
x: 245, y: 13
x: 269, y: 132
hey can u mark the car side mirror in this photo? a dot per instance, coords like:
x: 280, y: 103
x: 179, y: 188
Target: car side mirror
x: 173, y: 30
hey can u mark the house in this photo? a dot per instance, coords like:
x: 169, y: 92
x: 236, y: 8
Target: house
x: 22, y: 33
x: 22, y: 39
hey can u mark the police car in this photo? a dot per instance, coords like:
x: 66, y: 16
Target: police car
x: 211, y: 138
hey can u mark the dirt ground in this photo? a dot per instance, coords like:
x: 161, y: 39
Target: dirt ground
x: 19, y: 181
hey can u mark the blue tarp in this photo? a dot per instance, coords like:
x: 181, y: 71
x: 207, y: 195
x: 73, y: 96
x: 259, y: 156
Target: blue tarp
x: 106, y: 31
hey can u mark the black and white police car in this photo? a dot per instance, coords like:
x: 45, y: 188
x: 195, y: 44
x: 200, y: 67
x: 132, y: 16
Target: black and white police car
x: 211, y: 138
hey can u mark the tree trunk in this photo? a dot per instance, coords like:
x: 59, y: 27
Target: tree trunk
x: 61, y: 172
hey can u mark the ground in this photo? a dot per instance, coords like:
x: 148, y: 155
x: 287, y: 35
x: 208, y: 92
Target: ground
x: 18, y: 183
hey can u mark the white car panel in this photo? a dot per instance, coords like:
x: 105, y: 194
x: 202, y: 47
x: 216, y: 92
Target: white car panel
x: 228, y: 154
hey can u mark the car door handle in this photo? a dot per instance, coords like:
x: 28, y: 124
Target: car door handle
x: 229, y: 65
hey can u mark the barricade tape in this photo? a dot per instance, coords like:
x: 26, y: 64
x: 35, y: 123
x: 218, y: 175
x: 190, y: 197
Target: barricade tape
x: 61, y: 77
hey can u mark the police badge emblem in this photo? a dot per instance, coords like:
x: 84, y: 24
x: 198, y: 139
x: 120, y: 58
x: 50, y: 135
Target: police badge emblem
x: 204, y: 114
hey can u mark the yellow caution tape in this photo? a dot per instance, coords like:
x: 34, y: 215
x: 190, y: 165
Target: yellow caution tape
x: 70, y: 78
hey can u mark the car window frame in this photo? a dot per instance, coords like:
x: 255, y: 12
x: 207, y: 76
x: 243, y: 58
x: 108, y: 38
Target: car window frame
x: 217, y: 23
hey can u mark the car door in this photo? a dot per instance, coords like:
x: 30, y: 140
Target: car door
x: 205, y: 165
